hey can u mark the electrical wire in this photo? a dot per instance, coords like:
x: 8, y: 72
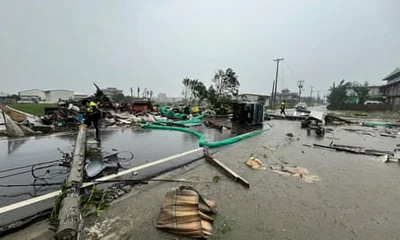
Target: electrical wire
x: 15, y: 174
x: 31, y: 185
x: 287, y: 65
x: 26, y: 166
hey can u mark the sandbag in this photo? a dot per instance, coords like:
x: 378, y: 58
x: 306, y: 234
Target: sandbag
x: 185, y: 212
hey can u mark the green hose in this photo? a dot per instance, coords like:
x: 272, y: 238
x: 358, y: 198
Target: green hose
x: 379, y: 124
x: 202, y: 140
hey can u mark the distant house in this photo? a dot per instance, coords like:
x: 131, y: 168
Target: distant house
x: 111, y: 91
x: 392, y: 88
x: 285, y: 95
x: 6, y: 98
x: 80, y: 96
x: 263, y: 99
x: 375, y: 93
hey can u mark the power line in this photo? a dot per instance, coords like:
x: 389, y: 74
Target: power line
x: 282, y: 77
x: 287, y: 65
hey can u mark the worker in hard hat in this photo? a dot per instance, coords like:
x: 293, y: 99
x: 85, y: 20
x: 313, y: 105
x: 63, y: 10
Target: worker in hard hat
x: 93, y: 116
x: 283, y: 107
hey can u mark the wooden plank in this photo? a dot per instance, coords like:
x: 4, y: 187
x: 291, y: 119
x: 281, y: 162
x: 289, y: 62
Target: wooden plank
x: 223, y: 167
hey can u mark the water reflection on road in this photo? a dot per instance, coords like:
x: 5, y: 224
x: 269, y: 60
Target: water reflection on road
x: 147, y: 145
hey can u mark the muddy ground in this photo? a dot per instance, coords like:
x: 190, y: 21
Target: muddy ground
x: 356, y: 198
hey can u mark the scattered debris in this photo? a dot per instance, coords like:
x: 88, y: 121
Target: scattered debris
x: 186, y: 212
x: 287, y: 117
x: 255, y: 163
x: 354, y: 149
x: 334, y: 138
x: 11, y: 128
x: 290, y: 135
x: 384, y: 158
x: 216, y: 178
x: 222, y: 225
x: 227, y: 170
x: 269, y: 148
x: 335, y: 120
x: 302, y: 173
x: 214, y: 124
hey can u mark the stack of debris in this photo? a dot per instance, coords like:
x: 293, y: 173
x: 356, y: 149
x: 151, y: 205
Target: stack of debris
x: 11, y: 129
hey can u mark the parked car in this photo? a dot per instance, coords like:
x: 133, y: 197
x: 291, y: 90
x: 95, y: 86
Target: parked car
x: 372, y: 102
x: 301, y: 106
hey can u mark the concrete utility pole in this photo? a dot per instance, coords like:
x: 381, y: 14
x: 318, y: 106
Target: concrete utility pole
x: 311, y: 92
x: 300, y: 84
x: 276, y: 80
x: 70, y: 221
x: 131, y: 91
x: 272, y: 93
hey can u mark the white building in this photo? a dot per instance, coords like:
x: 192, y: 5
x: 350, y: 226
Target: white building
x: 162, y: 97
x: 53, y: 96
x: 80, y: 96
x: 33, y: 93
x: 49, y: 96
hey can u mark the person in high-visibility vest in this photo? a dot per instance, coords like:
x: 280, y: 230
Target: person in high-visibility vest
x: 283, y: 107
x: 93, y: 116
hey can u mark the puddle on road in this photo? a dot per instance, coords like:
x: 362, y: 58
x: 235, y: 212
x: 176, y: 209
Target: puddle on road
x: 146, y: 145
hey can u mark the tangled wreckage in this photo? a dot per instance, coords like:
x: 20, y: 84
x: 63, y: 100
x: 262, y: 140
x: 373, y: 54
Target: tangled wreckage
x: 66, y: 116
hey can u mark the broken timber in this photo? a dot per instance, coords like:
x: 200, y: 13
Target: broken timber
x: 231, y: 173
x: 70, y: 215
x: 353, y: 149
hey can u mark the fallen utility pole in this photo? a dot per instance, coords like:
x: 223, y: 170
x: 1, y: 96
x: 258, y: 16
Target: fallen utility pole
x: 227, y: 170
x: 69, y: 215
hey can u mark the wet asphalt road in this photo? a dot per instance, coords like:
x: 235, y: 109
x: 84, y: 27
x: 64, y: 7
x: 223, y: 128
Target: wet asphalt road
x: 356, y: 198
x: 147, y: 146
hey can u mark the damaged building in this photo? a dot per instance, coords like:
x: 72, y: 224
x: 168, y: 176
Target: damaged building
x: 392, y: 88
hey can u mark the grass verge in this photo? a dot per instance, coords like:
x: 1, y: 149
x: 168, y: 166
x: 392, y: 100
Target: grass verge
x: 32, y: 108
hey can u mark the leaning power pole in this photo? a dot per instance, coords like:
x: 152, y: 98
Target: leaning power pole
x: 276, y: 80
x: 300, y: 84
x: 272, y: 93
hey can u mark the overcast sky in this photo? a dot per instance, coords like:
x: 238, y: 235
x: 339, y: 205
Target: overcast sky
x: 154, y: 44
